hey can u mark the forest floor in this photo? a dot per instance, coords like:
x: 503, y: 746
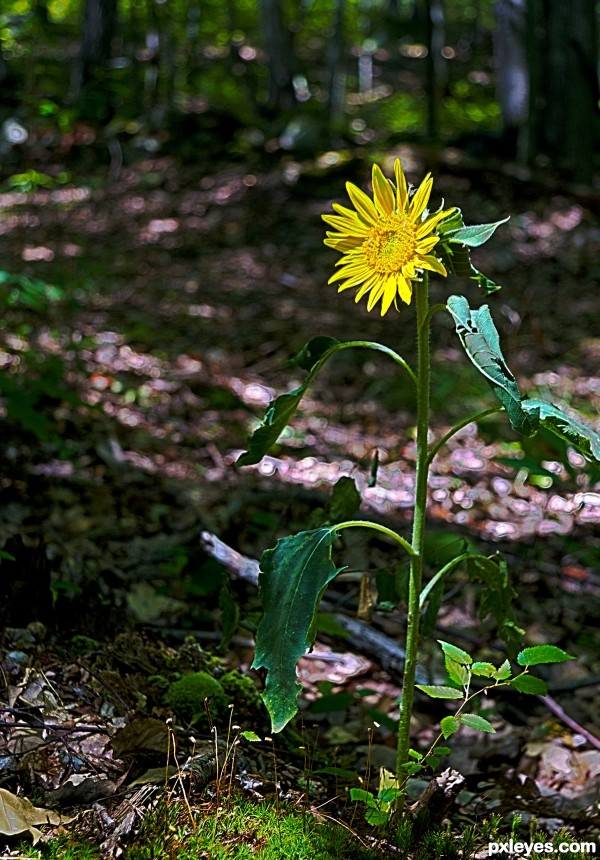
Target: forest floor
x: 147, y: 324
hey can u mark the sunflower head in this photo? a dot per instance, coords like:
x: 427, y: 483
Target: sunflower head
x: 386, y: 242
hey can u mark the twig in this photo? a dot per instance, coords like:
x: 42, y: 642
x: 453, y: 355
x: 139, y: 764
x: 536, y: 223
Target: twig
x: 556, y: 709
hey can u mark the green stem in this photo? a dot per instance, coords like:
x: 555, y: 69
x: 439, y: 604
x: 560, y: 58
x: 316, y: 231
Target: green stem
x: 459, y: 426
x: 378, y: 347
x: 377, y: 527
x: 418, y: 532
x: 441, y: 573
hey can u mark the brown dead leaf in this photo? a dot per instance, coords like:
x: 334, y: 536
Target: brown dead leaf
x: 18, y: 815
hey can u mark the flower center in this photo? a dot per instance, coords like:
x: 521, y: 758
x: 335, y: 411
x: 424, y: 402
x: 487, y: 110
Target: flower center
x: 391, y: 244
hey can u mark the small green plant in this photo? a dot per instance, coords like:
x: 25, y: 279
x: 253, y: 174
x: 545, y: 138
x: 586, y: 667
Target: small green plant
x: 389, y: 244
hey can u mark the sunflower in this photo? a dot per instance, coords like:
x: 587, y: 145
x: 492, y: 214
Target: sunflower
x: 387, y: 242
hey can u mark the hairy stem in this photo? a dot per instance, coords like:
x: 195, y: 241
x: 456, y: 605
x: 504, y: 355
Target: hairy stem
x: 418, y: 532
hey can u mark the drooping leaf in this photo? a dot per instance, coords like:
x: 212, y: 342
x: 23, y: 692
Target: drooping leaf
x: 497, y: 596
x: 474, y: 721
x: 434, y: 602
x: 538, y: 654
x: 481, y: 342
x: 581, y: 437
x: 454, y: 249
x: 529, y: 684
x: 455, y: 653
x: 449, y: 725
x: 313, y: 351
x: 281, y: 410
x: 345, y: 500
x: 293, y: 578
x: 440, y: 692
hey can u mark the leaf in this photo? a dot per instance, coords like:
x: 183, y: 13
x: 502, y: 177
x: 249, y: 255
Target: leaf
x: 457, y: 673
x: 277, y: 417
x: 481, y: 342
x: 455, y: 653
x: 449, y: 725
x: 474, y: 721
x: 581, y: 437
x: 313, y: 351
x: 529, y: 684
x: 483, y: 670
x: 503, y: 672
x: 345, y: 500
x: 434, y: 601
x: 539, y: 654
x: 440, y: 692
x: 360, y: 795
x: 474, y: 235
x: 340, y: 772
x: 251, y: 737
x: 496, y: 598
x: 18, y: 815
x: 456, y: 255
x: 293, y: 577
x: 281, y: 410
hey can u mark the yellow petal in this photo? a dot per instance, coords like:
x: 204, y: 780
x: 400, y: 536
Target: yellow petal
x: 389, y: 295
x: 401, y: 187
x: 421, y: 198
x: 364, y: 206
x: 428, y: 225
x: 425, y: 245
x: 376, y: 294
x: 368, y: 285
x: 345, y: 243
x: 350, y: 272
x: 405, y: 290
x: 382, y: 192
x: 433, y: 264
x: 354, y: 228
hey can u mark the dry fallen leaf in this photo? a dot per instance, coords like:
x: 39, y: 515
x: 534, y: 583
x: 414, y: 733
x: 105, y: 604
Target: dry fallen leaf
x: 17, y: 814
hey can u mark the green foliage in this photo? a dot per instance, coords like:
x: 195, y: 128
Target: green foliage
x: 33, y: 293
x: 481, y: 342
x: 293, y: 578
x: 581, y: 437
x: 539, y: 654
x: 455, y: 241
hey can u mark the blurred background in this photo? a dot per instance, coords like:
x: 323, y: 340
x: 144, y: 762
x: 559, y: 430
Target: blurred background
x: 111, y: 80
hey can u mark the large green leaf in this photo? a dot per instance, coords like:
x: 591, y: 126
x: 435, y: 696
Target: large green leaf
x: 454, y: 248
x: 481, y: 342
x: 586, y: 440
x: 293, y: 578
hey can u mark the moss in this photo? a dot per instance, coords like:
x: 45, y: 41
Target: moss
x: 241, y: 691
x: 187, y: 696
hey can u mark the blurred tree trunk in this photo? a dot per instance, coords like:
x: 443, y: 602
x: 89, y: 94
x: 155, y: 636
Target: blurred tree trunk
x: 336, y: 77
x: 436, y: 65
x: 97, y: 31
x: 563, y: 101
x: 513, y: 73
x: 279, y: 48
